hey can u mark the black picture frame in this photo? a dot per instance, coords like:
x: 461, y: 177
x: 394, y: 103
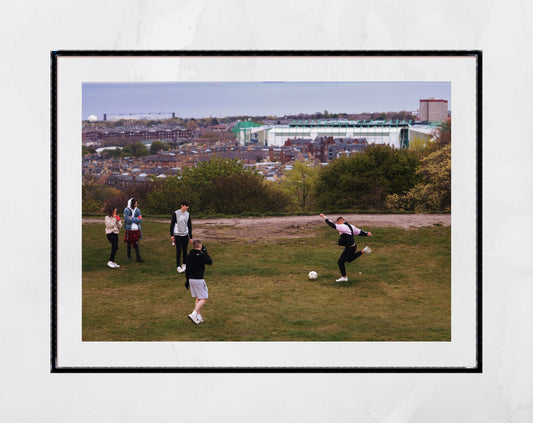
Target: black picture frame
x: 56, y: 55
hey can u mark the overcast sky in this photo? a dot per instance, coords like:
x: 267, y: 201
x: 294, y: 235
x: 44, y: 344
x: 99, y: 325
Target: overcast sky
x: 220, y: 99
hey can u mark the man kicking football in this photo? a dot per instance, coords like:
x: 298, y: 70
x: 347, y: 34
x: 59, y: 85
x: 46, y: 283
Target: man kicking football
x: 346, y: 240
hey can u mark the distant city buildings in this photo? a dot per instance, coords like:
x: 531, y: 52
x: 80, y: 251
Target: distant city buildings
x: 121, y: 172
x: 113, y: 117
x: 132, y: 135
x: 271, y: 146
x: 433, y: 109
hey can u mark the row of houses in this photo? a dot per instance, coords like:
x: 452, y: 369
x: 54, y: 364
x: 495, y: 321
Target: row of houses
x: 130, y: 170
x: 325, y: 149
x: 120, y: 172
x: 164, y: 134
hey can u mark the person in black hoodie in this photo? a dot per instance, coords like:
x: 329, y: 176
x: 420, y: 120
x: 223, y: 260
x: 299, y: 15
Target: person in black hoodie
x: 347, y: 240
x: 194, y: 274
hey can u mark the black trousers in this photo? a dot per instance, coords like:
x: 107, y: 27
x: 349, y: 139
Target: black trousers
x: 113, y: 239
x: 137, y: 250
x: 348, y: 255
x: 181, y: 248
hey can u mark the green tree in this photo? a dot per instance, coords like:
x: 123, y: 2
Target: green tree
x: 87, y: 150
x: 242, y: 193
x: 112, y: 152
x: 165, y: 196
x: 218, y: 186
x: 137, y: 149
x: 89, y: 203
x: 363, y: 180
x: 300, y: 181
x: 117, y: 123
x: 192, y: 125
x: 119, y: 198
x: 433, y: 192
x: 158, y: 146
x: 443, y: 134
x: 418, y: 144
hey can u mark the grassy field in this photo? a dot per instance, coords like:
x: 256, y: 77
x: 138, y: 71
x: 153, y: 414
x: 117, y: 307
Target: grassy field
x: 259, y: 291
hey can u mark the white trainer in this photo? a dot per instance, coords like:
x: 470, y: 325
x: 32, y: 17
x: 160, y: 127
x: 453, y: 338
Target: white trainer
x: 200, y: 319
x: 366, y: 250
x: 194, y: 318
x: 111, y: 264
x: 183, y: 267
x: 342, y: 279
x: 179, y: 269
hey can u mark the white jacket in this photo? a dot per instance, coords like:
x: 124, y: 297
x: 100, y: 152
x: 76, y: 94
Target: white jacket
x: 111, y: 225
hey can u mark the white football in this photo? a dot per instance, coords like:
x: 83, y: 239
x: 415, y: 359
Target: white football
x: 313, y: 274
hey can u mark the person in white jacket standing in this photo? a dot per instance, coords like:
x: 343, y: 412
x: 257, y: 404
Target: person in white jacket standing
x: 181, y: 234
x: 112, y: 228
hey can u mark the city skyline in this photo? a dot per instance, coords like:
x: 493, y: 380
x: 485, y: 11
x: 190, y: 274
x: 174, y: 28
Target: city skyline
x: 267, y: 98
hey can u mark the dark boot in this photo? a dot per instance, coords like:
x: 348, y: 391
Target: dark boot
x: 138, y: 254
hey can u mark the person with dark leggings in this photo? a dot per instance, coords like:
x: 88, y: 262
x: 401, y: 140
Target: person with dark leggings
x: 112, y: 227
x: 133, y: 218
x: 346, y: 240
x: 181, y: 234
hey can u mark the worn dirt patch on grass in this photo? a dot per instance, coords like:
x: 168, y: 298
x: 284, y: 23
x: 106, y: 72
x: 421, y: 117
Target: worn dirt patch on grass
x: 267, y: 228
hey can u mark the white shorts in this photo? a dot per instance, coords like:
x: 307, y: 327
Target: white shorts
x: 198, y: 288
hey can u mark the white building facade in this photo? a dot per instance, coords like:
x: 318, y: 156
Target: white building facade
x: 395, y: 134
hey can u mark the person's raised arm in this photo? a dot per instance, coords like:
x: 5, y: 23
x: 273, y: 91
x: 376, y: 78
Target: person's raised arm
x: 207, y: 257
x: 329, y: 222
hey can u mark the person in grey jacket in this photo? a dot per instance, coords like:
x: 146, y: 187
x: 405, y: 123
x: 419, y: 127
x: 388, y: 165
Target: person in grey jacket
x: 181, y: 233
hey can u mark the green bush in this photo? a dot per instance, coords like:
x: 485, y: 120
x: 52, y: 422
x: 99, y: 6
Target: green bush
x: 433, y: 192
x: 364, y: 180
x: 220, y: 186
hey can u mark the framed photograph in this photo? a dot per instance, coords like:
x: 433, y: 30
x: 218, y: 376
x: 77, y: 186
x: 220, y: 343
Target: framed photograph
x: 148, y: 124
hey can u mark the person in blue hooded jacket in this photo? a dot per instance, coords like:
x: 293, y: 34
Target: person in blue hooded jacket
x: 133, y: 219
